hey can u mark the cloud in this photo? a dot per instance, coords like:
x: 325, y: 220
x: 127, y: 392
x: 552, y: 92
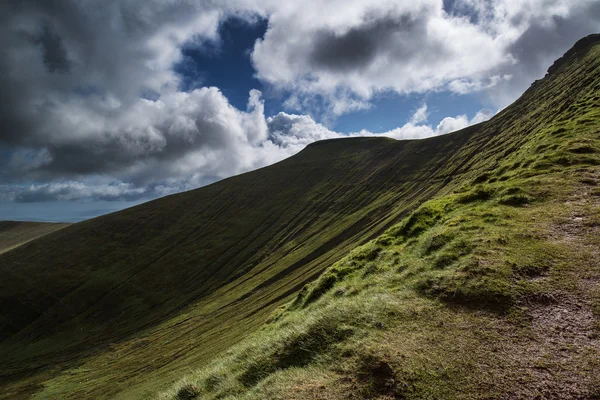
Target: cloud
x: 73, y: 108
x: 358, y: 49
x: 70, y: 190
x: 412, y: 129
x: 296, y: 131
x: 193, y: 139
x: 541, y: 32
x: 54, y: 53
x: 89, y: 55
x: 420, y: 115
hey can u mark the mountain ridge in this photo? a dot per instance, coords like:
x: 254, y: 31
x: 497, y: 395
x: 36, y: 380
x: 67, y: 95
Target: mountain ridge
x: 185, y: 277
x: 15, y: 233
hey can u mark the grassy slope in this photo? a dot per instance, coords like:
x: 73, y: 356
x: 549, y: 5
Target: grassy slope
x: 124, y: 304
x: 177, y: 280
x: 15, y: 233
x: 490, y: 290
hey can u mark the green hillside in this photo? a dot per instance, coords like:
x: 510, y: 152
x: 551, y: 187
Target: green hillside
x: 15, y: 233
x: 478, y: 277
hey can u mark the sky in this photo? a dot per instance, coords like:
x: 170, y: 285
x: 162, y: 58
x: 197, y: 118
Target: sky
x: 108, y: 104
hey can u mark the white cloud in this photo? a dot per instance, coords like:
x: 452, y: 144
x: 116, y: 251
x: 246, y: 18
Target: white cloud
x: 420, y: 115
x: 296, y: 131
x: 341, y: 50
x: 358, y: 48
x: 447, y: 125
x: 75, y: 190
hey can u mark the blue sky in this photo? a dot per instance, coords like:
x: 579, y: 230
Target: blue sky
x: 105, y: 107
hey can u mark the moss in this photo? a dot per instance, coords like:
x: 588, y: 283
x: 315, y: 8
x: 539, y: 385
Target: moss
x: 324, y: 284
x: 368, y: 252
x: 357, y: 259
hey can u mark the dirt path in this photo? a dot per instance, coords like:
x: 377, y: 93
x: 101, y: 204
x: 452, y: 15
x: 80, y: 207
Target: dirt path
x: 561, y: 357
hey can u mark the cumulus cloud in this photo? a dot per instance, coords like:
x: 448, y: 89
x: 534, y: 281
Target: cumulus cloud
x: 296, y: 131
x: 356, y: 49
x: 193, y: 139
x: 73, y: 108
x: 413, y: 130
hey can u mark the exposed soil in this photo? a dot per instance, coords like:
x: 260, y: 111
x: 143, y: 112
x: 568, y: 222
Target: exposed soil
x: 560, y: 358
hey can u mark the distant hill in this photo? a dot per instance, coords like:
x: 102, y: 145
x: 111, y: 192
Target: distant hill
x: 15, y: 233
x: 438, y: 268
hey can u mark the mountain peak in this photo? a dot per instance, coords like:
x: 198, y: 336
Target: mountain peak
x: 580, y: 48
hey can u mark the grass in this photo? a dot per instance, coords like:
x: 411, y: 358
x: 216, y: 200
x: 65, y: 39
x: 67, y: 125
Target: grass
x: 382, y: 268
x: 16, y: 233
x: 423, y: 323
x: 426, y: 305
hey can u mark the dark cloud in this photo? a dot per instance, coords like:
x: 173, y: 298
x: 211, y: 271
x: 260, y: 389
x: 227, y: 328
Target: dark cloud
x: 402, y: 47
x: 402, y: 36
x: 72, y: 73
x: 53, y: 48
x: 464, y: 46
x: 357, y: 47
x: 543, y: 42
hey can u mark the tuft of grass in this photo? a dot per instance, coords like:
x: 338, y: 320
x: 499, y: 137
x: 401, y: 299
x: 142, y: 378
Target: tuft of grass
x: 419, y: 221
x: 515, y: 200
x: 479, y: 193
x: 436, y: 242
x: 188, y: 392
x: 297, y: 350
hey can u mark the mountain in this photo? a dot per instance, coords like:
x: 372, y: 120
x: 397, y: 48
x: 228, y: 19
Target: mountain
x: 460, y: 266
x: 15, y: 233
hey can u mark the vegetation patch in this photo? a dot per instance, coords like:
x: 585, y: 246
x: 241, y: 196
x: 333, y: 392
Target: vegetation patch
x: 471, y: 284
x: 515, y: 200
x: 297, y: 350
x: 188, y: 392
x: 376, y: 376
x: 357, y: 259
x: 437, y: 241
x: 480, y: 193
x: 419, y: 221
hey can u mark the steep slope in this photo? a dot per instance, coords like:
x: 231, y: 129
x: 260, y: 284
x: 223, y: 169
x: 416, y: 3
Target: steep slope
x: 226, y: 253
x: 122, y: 304
x: 15, y: 233
x: 491, y: 290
